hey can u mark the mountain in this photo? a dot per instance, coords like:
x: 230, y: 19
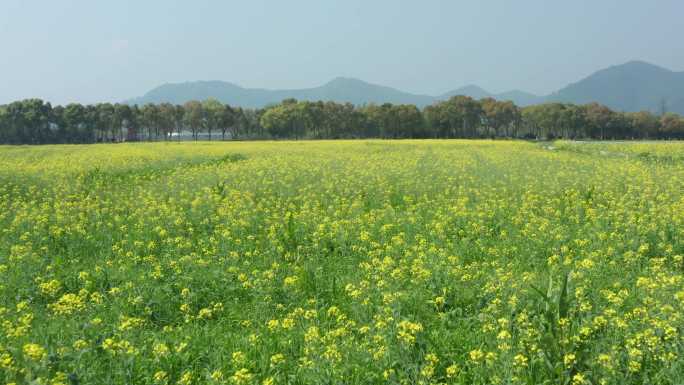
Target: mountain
x: 632, y: 86
x: 473, y: 91
x: 340, y: 89
x: 359, y: 92
x: 520, y: 98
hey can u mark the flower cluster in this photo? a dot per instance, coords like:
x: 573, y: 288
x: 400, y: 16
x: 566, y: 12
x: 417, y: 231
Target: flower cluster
x: 403, y: 262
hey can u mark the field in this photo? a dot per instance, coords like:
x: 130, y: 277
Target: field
x: 342, y: 262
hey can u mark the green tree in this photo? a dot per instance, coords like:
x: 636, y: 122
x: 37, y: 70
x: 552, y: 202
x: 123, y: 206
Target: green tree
x: 167, y: 119
x: 600, y: 120
x: 76, y: 121
x: 104, y: 122
x: 123, y: 118
x: 193, y: 117
x: 499, y: 117
x: 213, y: 115
x: 151, y: 120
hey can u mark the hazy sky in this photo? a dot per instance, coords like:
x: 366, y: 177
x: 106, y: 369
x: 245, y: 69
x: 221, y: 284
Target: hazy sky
x: 91, y: 51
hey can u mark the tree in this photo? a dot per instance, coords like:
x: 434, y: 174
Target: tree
x: 178, y: 115
x: 28, y: 121
x: 213, y: 115
x: 133, y: 128
x: 373, y: 125
x: 193, y: 117
x: 34, y: 121
x: 576, y: 120
x: 459, y: 117
x: 167, y: 119
x: 671, y: 126
x: 226, y: 122
x: 4, y: 125
x: 7, y: 134
x: 277, y: 120
x: 76, y: 124
x: 409, y: 121
x: 123, y: 118
x: 248, y: 123
x: 499, y: 116
x: 600, y: 119
x: 104, y: 122
x: 289, y: 119
x: 151, y: 119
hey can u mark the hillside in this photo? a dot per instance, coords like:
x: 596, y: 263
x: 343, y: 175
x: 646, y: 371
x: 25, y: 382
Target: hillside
x: 632, y: 86
x: 340, y: 89
x: 520, y: 98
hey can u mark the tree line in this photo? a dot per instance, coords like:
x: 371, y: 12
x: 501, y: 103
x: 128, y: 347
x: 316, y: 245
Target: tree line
x: 34, y: 121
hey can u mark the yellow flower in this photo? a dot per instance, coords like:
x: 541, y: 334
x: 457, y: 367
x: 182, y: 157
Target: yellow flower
x: 34, y: 352
x: 277, y: 359
x: 50, y: 288
x: 578, y: 379
x: 181, y: 347
x: 605, y: 360
x: 239, y: 358
x: 216, y: 375
x: 186, y: 378
x: 428, y: 371
x: 160, y: 376
x: 205, y: 313
x: 127, y: 323
x: 253, y: 339
x: 452, y: 371
x: 569, y: 359
x: 333, y: 311
x: 6, y: 361
x: 273, y: 324
x: 108, y: 344
x: 160, y: 350
x: 241, y: 376
x: 520, y: 360
x: 503, y: 335
x: 67, y: 304
x: 432, y: 358
x: 408, y: 331
x: 288, y: 323
x: 476, y: 355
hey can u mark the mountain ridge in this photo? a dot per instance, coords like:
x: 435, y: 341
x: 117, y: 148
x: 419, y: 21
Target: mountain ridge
x: 632, y: 86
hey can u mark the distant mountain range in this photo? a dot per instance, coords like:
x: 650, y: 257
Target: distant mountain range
x: 632, y: 86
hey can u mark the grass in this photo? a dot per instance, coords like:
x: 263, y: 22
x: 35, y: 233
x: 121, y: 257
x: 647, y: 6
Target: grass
x: 350, y: 262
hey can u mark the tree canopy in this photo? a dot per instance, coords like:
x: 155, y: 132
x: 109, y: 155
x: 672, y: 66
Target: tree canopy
x: 34, y: 121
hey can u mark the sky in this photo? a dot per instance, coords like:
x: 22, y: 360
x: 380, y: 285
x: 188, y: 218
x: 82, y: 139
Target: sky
x: 108, y: 51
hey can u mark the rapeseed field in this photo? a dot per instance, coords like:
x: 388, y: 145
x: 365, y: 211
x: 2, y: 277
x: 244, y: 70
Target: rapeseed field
x: 342, y: 262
